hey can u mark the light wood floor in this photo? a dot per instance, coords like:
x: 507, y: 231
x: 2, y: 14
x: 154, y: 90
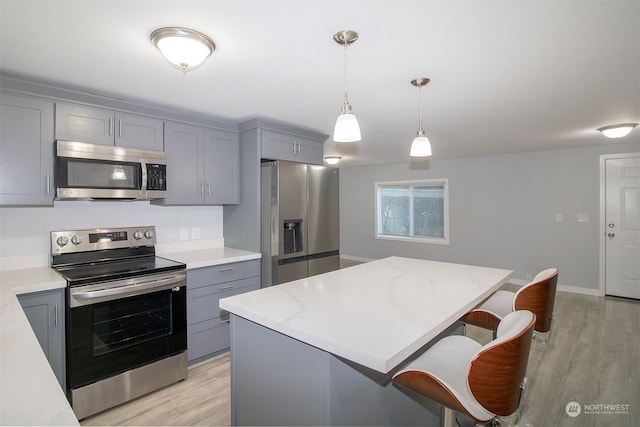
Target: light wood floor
x: 593, y: 359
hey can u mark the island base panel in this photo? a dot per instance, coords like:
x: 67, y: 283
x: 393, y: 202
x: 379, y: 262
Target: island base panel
x: 278, y: 380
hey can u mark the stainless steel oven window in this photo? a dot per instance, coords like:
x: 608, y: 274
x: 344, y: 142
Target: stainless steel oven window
x: 131, y: 321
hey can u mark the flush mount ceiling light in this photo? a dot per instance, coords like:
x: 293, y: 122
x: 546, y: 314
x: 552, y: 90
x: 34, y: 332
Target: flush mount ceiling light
x: 332, y: 160
x: 184, y: 48
x: 347, y: 128
x: 617, y: 131
x: 421, y: 147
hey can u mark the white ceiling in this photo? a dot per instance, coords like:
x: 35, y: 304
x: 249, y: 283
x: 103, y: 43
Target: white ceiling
x: 506, y: 76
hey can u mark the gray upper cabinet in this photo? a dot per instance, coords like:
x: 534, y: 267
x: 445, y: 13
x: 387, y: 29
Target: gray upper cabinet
x: 106, y: 127
x: 26, y: 151
x: 284, y: 146
x: 202, y: 165
x: 221, y: 167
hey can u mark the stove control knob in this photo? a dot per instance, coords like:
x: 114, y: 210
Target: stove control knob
x: 62, y: 240
x: 148, y: 234
x: 137, y: 235
x: 76, y: 240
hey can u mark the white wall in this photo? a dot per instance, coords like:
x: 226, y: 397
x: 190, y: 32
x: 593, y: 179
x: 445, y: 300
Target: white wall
x: 502, y: 212
x: 25, y: 231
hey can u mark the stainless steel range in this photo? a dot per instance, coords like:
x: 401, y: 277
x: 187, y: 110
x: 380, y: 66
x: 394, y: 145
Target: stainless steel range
x: 126, y: 332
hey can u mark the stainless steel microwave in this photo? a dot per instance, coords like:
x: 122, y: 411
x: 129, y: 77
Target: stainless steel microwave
x: 95, y: 172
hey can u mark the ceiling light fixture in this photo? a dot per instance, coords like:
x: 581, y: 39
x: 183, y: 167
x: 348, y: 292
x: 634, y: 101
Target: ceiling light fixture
x: 347, y: 128
x: 617, y: 131
x: 421, y: 147
x: 332, y: 160
x: 184, y: 48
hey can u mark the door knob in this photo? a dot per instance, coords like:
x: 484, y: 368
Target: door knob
x: 611, y: 235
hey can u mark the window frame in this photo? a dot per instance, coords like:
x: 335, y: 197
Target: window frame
x: 416, y: 239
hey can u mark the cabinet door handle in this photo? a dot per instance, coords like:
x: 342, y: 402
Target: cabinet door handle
x: 202, y: 188
x: 55, y: 315
x: 226, y: 269
x: 110, y: 126
x: 294, y: 147
x: 225, y: 321
x: 208, y: 188
x: 224, y: 288
x: 119, y: 128
x: 48, y: 184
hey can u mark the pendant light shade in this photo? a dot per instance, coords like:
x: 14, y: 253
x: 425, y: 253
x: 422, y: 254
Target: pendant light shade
x: 421, y: 147
x: 184, y: 48
x: 347, y: 128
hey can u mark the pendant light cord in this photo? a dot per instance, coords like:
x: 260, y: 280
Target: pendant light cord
x: 346, y: 91
x: 419, y: 108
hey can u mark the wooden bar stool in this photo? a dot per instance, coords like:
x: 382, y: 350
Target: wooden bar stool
x: 538, y: 296
x: 479, y: 381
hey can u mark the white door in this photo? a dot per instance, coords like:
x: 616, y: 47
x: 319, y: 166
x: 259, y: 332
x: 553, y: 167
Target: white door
x: 622, y: 227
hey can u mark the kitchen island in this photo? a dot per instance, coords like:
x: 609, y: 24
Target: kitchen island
x: 323, y: 350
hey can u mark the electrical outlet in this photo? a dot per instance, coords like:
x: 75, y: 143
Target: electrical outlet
x: 559, y: 217
x: 184, y: 234
x: 195, y: 233
x: 583, y: 217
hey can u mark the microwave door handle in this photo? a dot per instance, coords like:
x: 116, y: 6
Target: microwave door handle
x: 143, y: 188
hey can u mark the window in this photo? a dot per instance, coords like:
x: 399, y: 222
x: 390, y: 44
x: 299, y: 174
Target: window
x: 416, y: 211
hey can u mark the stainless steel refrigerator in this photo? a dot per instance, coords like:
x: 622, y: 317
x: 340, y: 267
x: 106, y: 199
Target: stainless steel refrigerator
x: 300, y: 226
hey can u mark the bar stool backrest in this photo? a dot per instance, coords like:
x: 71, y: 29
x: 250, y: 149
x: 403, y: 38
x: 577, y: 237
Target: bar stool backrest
x: 539, y: 297
x: 498, y: 369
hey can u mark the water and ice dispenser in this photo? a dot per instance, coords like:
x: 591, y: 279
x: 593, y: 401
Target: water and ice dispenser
x: 293, y: 236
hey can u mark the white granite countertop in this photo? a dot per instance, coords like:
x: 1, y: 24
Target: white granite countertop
x: 29, y: 391
x: 209, y: 257
x: 375, y: 314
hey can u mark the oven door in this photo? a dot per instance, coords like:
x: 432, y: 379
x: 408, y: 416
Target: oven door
x: 121, y: 325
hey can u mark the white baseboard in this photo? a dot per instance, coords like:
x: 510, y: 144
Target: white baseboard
x: 562, y: 288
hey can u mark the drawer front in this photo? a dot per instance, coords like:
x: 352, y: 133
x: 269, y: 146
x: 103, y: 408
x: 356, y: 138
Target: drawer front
x: 208, y: 337
x: 202, y: 303
x: 222, y: 273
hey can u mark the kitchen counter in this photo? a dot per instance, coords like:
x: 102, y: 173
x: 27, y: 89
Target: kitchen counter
x: 322, y: 350
x: 210, y: 257
x: 29, y: 391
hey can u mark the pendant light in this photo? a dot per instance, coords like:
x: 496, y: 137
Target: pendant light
x: 347, y: 128
x: 421, y: 147
x: 184, y: 48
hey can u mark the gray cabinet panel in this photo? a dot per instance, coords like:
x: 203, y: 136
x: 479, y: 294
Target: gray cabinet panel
x: 222, y: 273
x: 185, y: 164
x: 207, y: 324
x: 107, y: 127
x: 207, y: 338
x: 222, y: 167
x: 26, y: 151
x: 84, y: 124
x: 45, y: 312
x: 134, y: 131
x: 203, y: 165
x: 283, y: 146
x: 203, y: 302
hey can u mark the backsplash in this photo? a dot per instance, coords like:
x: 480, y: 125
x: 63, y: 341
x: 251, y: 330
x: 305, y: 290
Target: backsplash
x: 25, y: 231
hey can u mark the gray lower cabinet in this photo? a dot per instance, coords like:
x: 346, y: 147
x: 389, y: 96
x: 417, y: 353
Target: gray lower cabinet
x: 106, y: 127
x: 207, y: 325
x: 203, y: 165
x: 26, y: 151
x: 45, y: 312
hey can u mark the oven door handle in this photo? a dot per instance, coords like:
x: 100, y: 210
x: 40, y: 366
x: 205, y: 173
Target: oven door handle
x: 137, y: 288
